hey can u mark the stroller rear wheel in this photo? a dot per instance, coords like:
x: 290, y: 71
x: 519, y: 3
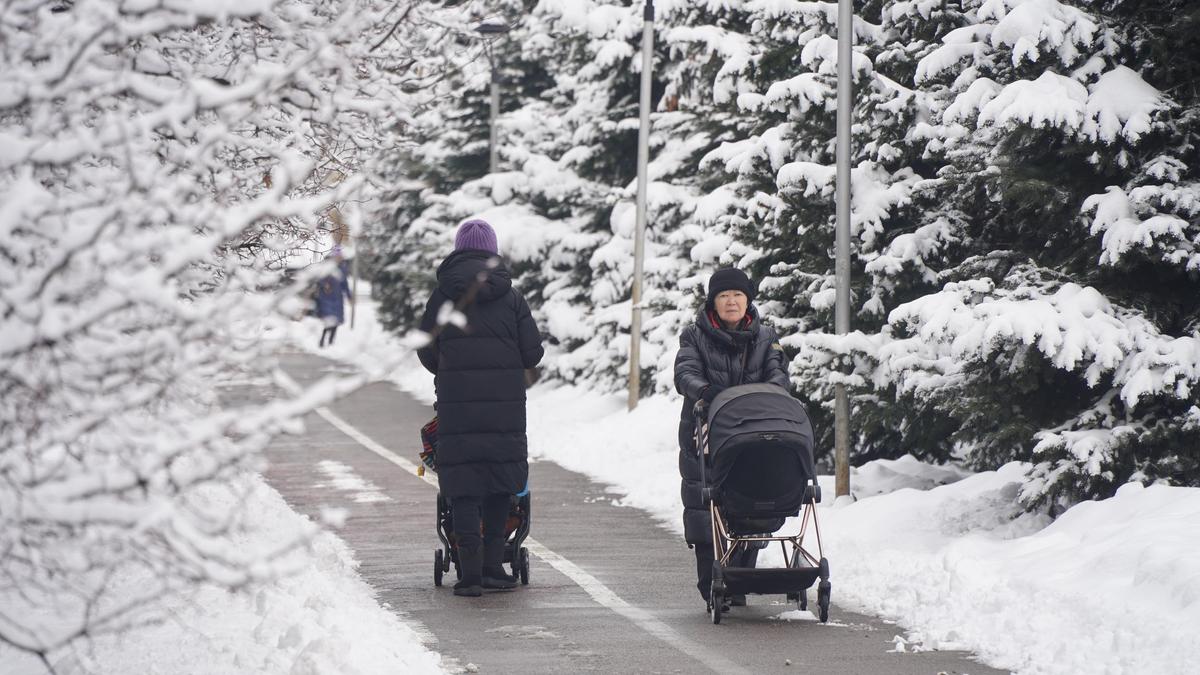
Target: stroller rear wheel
x: 801, y: 599
x: 524, y: 571
x: 437, y: 567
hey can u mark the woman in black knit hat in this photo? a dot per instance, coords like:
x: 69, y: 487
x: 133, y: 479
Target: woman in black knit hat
x: 726, y: 346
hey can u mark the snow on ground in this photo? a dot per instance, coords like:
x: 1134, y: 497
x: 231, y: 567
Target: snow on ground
x: 322, y: 620
x: 1108, y: 587
x: 342, y: 477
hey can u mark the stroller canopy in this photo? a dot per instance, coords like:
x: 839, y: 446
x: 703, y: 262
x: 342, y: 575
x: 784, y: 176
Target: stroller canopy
x: 760, y: 445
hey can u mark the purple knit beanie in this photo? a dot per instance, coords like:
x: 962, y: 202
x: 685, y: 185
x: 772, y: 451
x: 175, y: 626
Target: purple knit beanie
x: 476, y: 234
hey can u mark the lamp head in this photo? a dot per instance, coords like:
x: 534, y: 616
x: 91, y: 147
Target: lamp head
x: 492, y: 27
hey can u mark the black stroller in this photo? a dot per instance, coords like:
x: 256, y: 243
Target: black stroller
x: 516, y: 529
x: 757, y: 442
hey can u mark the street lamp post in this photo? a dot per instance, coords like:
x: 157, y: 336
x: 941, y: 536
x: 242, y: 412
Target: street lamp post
x: 635, y: 322
x: 841, y: 424
x: 492, y: 30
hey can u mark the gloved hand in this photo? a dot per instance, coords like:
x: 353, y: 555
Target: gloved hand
x: 709, y: 393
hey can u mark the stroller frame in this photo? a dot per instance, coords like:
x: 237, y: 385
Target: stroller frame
x: 515, y: 554
x: 804, y: 567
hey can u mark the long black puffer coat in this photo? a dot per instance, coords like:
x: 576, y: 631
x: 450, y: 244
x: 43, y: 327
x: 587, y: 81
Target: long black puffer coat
x: 711, y: 356
x: 480, y: 376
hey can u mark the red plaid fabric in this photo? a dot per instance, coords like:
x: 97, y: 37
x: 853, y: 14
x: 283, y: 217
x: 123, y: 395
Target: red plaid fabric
x: 429, y: 444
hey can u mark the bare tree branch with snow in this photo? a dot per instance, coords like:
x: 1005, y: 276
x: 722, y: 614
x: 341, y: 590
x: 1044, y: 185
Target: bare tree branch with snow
x: 157, y: 160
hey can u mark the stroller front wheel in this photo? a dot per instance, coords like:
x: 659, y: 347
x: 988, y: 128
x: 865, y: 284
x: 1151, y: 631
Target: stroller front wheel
x: 824, y: 590
x: 716, y: 599
x: 437, y: 567
x: 524, y: 571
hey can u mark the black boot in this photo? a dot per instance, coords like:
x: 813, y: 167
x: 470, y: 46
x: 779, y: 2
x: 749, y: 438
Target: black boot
x: 470, y: 562
x: 494, y: 576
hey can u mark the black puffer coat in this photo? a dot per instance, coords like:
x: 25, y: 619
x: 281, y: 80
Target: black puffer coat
x: 480, y: 376
x: 710, y: 356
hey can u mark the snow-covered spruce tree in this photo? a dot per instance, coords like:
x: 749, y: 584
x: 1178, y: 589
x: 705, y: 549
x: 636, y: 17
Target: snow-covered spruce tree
x: 442, y: 148
x: 708, y: 54
x: 434, y: 150
x: 1015, y: 161
x: 596, y: 92
x: 560, y: 147
x: 1058, y: 224
x: 151, y: 157
x: 596, y: 71
x: 564, y: 200
x: 777, y: 173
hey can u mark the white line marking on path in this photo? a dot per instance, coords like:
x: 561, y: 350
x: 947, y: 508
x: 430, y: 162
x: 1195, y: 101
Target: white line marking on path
x: 600, y: 593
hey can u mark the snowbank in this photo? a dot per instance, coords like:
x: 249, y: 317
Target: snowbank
x: 1109, y: 587
x: 322, y: 620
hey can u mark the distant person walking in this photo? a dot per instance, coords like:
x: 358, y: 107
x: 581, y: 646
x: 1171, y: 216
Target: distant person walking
x: 331, y: 289
x: 728, y: 345
x: 479, y: 369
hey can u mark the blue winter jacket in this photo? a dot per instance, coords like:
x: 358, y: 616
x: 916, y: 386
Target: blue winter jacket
x: 331, y: 291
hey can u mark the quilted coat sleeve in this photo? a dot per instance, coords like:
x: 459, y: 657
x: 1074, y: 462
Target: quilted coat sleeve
x: 428, y: 353
x: 528, y: 337
x: 690, y: 379
x: 776, y: 366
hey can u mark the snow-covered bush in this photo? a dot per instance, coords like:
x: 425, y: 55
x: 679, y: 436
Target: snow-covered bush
x: 1055, y: 317
x: 156, y: 161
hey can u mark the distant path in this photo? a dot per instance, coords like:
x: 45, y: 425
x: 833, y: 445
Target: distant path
x: 627, y: 603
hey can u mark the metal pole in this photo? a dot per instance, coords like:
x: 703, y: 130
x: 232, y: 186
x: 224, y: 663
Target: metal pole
x: 492, y: 29
x: 635, y: 324
x: 495, y: 111
x: 841, y: 430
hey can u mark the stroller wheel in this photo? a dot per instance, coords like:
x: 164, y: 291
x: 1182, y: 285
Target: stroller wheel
x: 823, y: 592
x: 524, y: 571
x: 801, y: 599
x: 716, y: 600
x: 437, y: 567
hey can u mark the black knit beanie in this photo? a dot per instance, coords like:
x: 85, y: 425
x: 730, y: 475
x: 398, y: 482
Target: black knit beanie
x: 729, y: 279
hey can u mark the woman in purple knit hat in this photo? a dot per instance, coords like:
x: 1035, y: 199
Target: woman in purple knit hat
x: 479, y: 377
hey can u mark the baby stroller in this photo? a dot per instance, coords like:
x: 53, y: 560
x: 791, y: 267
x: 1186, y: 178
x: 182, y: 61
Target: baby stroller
x: 516, y: 527
x: 757, y: 467
x: 515, y: 530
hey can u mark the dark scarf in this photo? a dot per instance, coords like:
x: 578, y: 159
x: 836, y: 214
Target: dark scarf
x: 734, y: 339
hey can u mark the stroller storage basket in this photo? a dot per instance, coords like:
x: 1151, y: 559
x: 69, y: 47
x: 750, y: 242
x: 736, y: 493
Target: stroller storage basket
x: 757, y: 465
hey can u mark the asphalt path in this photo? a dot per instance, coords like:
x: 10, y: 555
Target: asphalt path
x: 611, y: 591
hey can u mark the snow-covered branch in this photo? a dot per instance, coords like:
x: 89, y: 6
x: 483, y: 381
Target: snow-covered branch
x: 157, y: 161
